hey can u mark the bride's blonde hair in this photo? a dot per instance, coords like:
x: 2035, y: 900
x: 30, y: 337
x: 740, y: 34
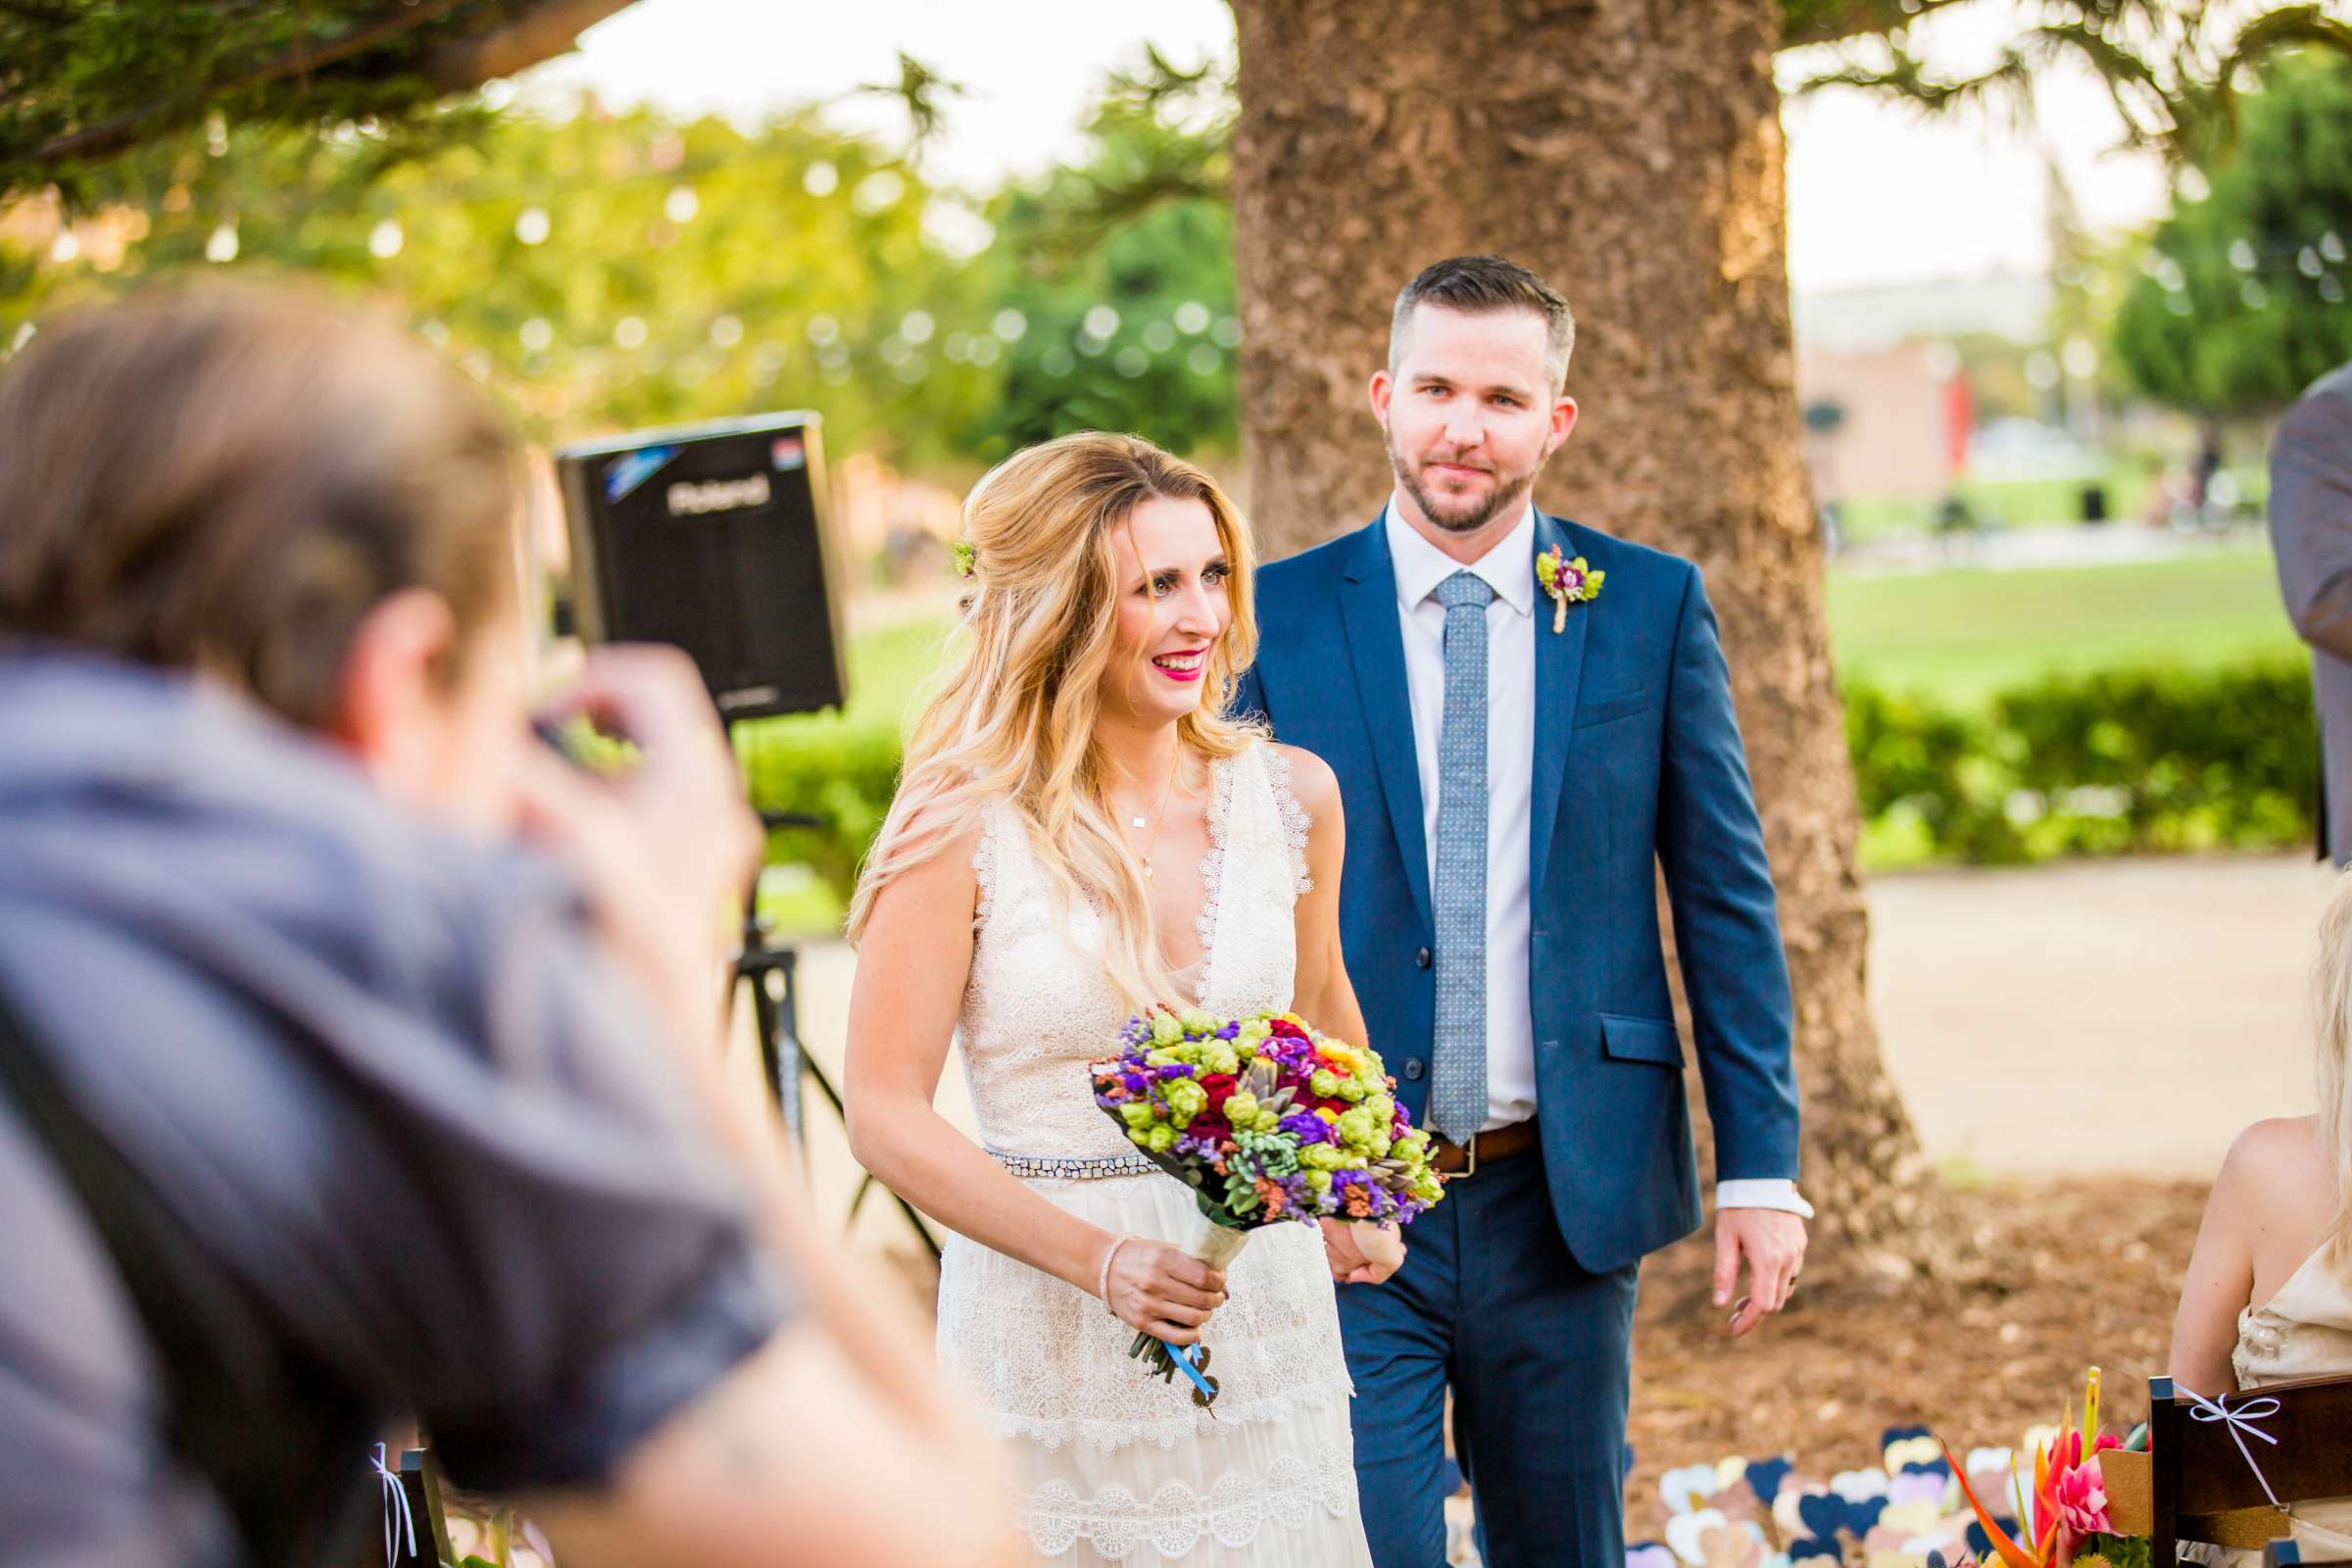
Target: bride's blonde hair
x: 1014, y: 716
x: 2331, y: 1018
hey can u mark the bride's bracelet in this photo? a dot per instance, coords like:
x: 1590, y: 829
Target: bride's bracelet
x: 1102, y: 1286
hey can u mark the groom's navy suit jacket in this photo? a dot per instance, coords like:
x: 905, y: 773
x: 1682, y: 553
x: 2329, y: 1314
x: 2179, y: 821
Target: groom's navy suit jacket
x: 1637, y: 765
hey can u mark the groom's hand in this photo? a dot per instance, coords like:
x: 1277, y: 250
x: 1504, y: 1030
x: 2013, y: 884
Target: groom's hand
x: 1773, y: 1241
x: 1348, y: 1264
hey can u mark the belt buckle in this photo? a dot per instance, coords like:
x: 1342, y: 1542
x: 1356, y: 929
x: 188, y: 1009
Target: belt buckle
x: 1470, y: 1156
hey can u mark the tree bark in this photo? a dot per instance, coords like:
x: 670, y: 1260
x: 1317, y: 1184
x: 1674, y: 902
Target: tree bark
x: 1628, y: 151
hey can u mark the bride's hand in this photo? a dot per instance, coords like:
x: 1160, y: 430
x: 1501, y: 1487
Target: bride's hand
x: 1161, y: 1290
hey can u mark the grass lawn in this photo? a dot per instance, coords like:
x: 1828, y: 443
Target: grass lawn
x: 1961, y: 635
x: 886, y: 668
x: 1958, y: 636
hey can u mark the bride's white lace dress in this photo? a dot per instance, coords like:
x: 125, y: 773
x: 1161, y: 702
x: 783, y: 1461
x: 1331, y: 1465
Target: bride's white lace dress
x: 1115, y: 1464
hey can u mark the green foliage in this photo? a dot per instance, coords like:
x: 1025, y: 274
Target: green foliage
x: 2118, y: 761
x: 2240, y: 302
x: 2172, y: 68
x: 843, y: 777
x: 1962, y: 636
x: 81, y: 84
x: 598, y: 271
x: 1120, y: 271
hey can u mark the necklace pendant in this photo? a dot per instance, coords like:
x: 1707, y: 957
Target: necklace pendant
x: 1134, y: 822
x: 1147, y: 869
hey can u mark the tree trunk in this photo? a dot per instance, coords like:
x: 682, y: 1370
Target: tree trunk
x: 1630, y: 152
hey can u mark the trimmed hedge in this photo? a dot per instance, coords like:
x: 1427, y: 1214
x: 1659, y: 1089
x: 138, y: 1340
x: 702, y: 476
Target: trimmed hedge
x: 2120, y: 762
x: 843, y: 777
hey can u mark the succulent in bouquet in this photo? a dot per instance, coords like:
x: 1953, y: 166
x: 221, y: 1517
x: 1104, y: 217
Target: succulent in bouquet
x: 1267, y: 1122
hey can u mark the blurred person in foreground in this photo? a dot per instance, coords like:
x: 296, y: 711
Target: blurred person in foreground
x: 2311, y: 535
x: 361, y: 1057
x: 2267, y: 1297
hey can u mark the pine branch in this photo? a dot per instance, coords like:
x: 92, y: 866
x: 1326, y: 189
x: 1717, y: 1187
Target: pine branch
x: 1810, y: 22
x: 125, y: 131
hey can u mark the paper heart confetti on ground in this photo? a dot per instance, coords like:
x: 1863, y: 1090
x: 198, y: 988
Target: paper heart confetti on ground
x: 1902, y: 1450
x: 1883, y: 1540
x: 1687, y: 1489
x: 1789, y: 1499
x: 1650, y: 1555
x: 1982, y: 1459
x: 1686, y: 1532
x: 1918, y: 1486
x: 1812, y: 1547
x: 1823, y: 1515
x: 1732, y: 1546
x: 1857, y: 1483
x: 1729, y: 1470
x: 1909, y: 1517
x: 1737, y: 1503
x: 1766, y: 1476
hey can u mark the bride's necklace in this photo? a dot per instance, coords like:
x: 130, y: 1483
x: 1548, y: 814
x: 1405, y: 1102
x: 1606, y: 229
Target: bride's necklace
x: 1137, y: 822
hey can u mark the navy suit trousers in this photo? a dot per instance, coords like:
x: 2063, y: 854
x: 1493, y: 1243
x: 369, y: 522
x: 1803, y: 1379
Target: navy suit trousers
x: 1539, y: 1352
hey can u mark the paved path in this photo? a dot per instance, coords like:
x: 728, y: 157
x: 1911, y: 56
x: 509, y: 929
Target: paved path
x: 2099, y: 1015
x: 2109, y: 1015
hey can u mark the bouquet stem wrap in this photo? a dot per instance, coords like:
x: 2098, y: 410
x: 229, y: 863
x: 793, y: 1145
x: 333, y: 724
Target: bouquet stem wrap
x: 1218, y: 1246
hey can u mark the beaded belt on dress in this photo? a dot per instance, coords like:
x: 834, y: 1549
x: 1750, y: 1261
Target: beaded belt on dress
x: 1070, y: 1167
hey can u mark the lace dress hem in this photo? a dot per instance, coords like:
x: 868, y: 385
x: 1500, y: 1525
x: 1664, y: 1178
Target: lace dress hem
x: 1233, y: 1511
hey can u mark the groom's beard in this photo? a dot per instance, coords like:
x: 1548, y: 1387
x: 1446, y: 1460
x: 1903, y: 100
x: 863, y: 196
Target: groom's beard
x: 1465, y: 514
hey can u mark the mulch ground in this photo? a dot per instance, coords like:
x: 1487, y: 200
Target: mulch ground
x: 2087, y: 1273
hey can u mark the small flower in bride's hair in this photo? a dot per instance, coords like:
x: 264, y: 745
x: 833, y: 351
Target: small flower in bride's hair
x: 967, y: 558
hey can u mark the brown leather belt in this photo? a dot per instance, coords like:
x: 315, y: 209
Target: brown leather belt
x: 1504, y: 1143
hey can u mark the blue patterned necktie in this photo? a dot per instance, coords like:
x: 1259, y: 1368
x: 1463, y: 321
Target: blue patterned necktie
x: 1458, y: 1089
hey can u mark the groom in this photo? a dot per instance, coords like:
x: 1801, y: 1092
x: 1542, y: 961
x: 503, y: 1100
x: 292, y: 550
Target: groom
x: 1516, y: 758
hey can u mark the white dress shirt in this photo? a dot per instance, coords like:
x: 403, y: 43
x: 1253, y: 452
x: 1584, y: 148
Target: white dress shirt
x: 1509, y: 569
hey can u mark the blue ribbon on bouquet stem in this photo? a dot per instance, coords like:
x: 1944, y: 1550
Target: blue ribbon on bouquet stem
x: 1183, y: 1355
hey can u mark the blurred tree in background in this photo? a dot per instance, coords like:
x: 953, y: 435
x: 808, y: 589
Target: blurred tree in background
x: 598, y: 271
x: 2239, y: 302
x: 1124, y: 261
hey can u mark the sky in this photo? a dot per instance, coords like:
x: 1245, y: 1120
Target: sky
x: 1878, y: 195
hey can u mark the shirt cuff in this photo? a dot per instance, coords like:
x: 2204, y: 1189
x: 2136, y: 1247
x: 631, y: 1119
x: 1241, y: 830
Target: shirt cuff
x: 1773, y: 1192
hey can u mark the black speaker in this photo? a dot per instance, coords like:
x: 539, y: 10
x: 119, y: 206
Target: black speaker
x: 713, y: 537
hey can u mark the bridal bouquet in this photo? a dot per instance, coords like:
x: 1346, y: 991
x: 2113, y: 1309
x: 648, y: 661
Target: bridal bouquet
x: 1267, y: 1121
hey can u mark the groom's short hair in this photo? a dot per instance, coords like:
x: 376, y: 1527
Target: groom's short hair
x: 1481, y: 285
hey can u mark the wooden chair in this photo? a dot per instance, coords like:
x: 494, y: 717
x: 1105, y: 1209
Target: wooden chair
x: 420, y: 1480
x: 2203, y: 1487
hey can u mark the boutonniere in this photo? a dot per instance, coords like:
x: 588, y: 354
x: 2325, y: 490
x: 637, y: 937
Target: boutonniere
x: 1569, y: 582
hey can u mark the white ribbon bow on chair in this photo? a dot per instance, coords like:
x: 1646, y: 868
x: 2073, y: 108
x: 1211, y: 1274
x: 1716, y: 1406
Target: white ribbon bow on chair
x: 394, y: 1523
x: 2239, y: 1422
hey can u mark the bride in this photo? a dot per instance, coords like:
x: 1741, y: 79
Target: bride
x: 1079, y: 834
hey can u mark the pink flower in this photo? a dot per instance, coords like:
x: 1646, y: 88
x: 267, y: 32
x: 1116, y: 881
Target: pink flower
x: 2081, y: 1500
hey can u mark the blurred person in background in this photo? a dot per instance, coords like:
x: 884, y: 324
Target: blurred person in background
x: 2311, y: 535
x: 2268, y: 1295
x: 359, y: 1059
